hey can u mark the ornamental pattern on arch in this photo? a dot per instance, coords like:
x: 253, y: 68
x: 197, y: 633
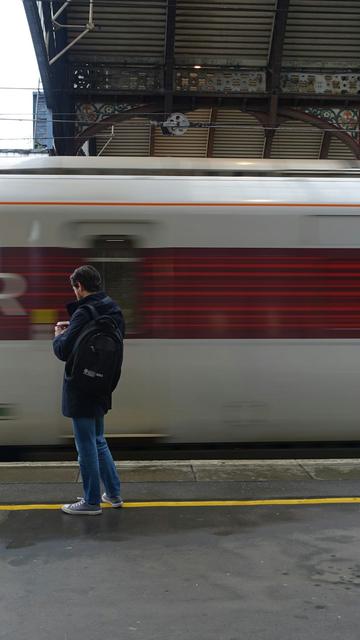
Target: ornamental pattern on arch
x: 89, y: 113
x: 345, y: 119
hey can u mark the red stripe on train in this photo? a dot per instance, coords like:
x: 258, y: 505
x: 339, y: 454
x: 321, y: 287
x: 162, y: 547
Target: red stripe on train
x: 202, y: 293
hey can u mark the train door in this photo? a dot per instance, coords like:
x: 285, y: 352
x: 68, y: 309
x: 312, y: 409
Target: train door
x: 141, y: 402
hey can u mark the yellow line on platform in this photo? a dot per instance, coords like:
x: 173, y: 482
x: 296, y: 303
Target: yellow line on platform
x: 197, y: 503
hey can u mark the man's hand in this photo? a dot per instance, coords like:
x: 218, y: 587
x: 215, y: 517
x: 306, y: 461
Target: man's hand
x: 60, y: 327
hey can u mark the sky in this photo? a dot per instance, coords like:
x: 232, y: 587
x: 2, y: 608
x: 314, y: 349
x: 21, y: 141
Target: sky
x: 18, y: 69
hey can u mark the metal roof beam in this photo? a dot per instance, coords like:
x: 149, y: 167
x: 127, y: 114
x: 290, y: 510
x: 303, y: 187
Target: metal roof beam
x: 64, y: 113
x: 324, y: 125
x: 211, y: 134
x: 169, y: 55
x: 274, y: 71
x: 38, y: 38
x: 152, y: 140
x: 277, y: 45
x: 272, y: 123
x: 325, y: 145
x: 60, y: 10
x: 269, y: 137
x: 89, y: 26
x: 53, y: 80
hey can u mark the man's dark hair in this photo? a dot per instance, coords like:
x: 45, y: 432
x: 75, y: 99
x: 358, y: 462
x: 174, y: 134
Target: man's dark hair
x: 88, y: 277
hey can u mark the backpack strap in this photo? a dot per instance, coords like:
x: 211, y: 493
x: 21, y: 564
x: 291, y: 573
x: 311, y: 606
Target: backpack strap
x: 92, y: 309
x: 93, y: 312
x: 94, y: 315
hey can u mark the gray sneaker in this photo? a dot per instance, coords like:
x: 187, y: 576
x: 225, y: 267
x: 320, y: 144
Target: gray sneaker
x: 115, y: 502
x: 81, y: 508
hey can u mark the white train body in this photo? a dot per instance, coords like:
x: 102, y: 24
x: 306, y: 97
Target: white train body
x: 245, y: 314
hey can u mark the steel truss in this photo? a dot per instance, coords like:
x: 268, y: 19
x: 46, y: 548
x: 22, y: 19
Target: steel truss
x: 89, y: 26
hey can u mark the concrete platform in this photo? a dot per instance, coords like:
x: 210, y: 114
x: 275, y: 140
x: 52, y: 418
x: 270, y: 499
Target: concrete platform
x: 264, y: 572
x: 190, y: 470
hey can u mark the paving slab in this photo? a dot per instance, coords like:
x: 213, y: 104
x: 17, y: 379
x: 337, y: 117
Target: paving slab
x: 249, y: 470
x: 165, y: 471
x: 39, y: 472
x: 332, y: 469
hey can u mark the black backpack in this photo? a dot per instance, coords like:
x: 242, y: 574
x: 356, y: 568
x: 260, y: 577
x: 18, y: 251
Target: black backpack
x: 94, y: 366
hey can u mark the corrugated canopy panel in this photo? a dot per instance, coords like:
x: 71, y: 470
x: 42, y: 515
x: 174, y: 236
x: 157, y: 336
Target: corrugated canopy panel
x: 232, y: 31
x: 237, y: 135
x: 123, y: 29
x: 319, y: 33
x: 192, y: 144
x: 295, y: 139
x: 131, y: 138
x: 323, y: 33
x: 338, y: 150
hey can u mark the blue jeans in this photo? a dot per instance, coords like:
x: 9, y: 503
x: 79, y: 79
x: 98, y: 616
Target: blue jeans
x: 95, y: 459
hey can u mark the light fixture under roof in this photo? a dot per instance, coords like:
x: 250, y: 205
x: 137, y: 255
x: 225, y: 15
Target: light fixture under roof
x: 197, y: 66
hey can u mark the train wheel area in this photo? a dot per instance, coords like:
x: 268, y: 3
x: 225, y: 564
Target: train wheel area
x: 202, y: 559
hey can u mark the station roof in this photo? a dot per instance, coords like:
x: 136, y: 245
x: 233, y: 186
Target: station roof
x: 318, y: 33
x: 244, y: 73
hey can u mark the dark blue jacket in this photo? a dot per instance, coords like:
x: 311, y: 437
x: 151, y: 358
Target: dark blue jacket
x: 77, y: 404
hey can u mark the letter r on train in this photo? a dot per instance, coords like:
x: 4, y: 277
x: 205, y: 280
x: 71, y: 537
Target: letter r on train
x: 12, y: 286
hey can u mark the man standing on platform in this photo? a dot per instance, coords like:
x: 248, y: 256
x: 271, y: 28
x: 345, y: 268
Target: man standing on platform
x: 81, y: 401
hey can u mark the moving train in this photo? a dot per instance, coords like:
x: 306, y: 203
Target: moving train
x: 239, y: 281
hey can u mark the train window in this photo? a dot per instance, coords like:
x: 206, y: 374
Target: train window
x: 115, y: 258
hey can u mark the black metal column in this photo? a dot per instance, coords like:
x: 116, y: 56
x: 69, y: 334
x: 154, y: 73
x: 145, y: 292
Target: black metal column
x: 169, y: 56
